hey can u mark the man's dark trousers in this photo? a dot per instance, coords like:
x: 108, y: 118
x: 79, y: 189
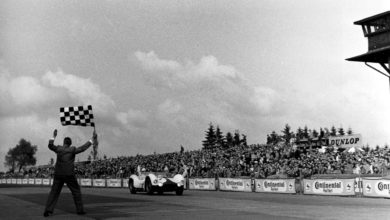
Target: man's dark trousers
x: 74, y: 187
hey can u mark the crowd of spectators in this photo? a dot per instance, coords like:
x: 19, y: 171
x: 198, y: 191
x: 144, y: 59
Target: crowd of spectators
x: 255, y: 161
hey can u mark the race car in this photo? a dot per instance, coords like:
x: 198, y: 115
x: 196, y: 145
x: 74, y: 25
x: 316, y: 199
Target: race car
x: 151, y: 182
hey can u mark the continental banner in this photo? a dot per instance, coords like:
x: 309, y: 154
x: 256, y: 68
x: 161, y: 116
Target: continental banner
x: 31, y: 181
x: 9, y: 181
x: 13, y: 181
x: 202, y: 184
x: 275, y: 185
x: 85, y: 182
x: 99, y: 182
x: 24, y: 181
x: 19, y: 181
x: 114, y: 182
x: 230, y: 184
x: 376, y: 187
x: 38, y: 181
x: 335, y: 187
x: 3, y: 181
x: 46, y: 182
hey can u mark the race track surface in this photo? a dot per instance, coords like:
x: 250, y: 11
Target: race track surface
x: 28, y: 203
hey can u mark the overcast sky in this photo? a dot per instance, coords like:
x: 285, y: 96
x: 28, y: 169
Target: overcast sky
x: 158, y: 72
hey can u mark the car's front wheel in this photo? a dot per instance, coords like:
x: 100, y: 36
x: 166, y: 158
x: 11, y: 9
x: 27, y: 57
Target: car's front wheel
x: 131, y: 186
x: 179, y: 191
x: 148, y: 187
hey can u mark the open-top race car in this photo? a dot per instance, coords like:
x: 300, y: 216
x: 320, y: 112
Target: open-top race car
x: 151, y: 182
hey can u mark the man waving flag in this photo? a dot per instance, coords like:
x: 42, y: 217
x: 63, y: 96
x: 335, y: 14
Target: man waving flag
x: 79, y: 116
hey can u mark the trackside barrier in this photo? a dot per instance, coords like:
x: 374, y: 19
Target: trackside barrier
x: 275, y: 185
x: 378, y: 187
x: 202, y: 184
x: 31, y: 181
x: 38, y: 181
x: 359, y: 186
x: 335, y: 187
x: 46, y: 182
x: 85, y: 182
x: 99, y: 183
x: 125, y: 183
x: 115, y: 183
x: 233, y: 184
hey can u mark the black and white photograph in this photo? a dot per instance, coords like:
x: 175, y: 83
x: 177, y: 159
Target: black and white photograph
x: 195, y: 109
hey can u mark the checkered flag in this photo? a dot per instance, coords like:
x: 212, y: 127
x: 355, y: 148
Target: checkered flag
x: 78, y: 115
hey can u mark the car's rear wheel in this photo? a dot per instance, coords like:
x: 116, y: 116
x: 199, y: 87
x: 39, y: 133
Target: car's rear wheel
x: 148, y: 187
x: 179, y: 191
x: 131, y: 186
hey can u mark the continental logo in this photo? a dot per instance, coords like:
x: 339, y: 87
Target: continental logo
x: 274, y: 184
x: 234, y: 183
x: 327, y: 185
x: 383, y: 186
x: 201, y: 182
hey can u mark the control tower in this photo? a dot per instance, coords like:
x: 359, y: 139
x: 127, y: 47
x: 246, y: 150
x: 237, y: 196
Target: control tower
x: 377, y: 30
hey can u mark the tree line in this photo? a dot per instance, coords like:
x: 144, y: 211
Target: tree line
x: 214, y: 138
x: 287, y: 135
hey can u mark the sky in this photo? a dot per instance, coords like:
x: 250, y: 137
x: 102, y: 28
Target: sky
x: 157, y: 73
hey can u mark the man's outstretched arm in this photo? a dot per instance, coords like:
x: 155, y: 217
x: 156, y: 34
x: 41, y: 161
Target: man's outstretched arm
x: 51, y: 141
x: 85, y: 146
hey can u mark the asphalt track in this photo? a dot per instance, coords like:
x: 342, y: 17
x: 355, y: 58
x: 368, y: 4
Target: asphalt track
x: 108, y: 203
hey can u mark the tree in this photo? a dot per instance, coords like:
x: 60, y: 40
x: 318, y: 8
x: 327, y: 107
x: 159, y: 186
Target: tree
x: 236, y: 138
x: 229, y: 139
x: 305, y: 132
x: 333, y: 131
x: 287, y: 134
x: 299, y: 134
x: 327, y: 133
x: 341, y: 131
x: 243, y: 140
x: 322, y: 133
x: 210, y: 138
x: 274, y: 138
x: 349, y: 132
x: 268, y: 139
x: 21, y: 155
x: 51, y: 161
x: 315, y: 133
x: 219, y: 139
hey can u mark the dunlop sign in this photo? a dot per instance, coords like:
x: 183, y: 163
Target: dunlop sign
x: 346, y: 141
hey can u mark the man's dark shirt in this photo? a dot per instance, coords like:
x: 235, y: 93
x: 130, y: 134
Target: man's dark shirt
x: 66, y: 156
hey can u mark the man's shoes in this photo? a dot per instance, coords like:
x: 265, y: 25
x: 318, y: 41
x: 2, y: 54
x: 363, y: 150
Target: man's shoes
x: 81, y: 213
x: 47, y: 213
